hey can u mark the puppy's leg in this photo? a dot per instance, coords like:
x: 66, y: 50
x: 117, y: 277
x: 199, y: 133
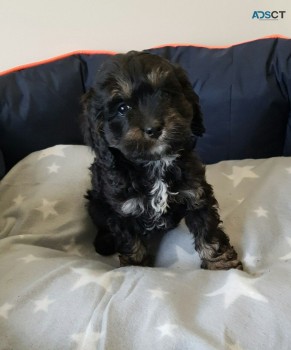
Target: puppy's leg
x: 104, y: 242
x: 133, y: 252
x: 211, y: 242
x: 131, y: 248
x: 141, y: 249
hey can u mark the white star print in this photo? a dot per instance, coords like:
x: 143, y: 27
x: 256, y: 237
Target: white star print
x: 237, y: 286
x: 183, y: 258
x: 169, y: 274
x: 47, y: 208
x: 157, y: 293
x: 54, y: 168
x: 234, y: 346
x: 102, y: 278
x: 250, y: 260
x: 240, y: 173
x: 287, y: 256
x: 53, y: 151
x: 239, y: 201
x: 18, y: 200
x: 87, y: 340
x: 72, y: 248
x: 4, y: 309
x: 261, y: 212
x: 167, y: 329
x: 29, y: 258
x: 42, y: 304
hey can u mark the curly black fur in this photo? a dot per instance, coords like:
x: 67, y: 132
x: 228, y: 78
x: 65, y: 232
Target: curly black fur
x: 142, y: 119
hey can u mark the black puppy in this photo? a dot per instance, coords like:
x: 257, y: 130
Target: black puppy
x: 142, y: 119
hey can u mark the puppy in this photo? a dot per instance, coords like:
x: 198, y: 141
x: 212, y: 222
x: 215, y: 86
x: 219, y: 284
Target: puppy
x: 142, y: 120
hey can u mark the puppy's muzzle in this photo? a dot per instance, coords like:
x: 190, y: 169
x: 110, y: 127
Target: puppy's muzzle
x: 153, y: 132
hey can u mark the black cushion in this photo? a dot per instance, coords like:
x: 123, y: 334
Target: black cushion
x: 244, y: 94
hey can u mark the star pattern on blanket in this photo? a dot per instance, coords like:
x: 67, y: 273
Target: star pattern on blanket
x: 72, y: 248
x: 250, y: 260
x: 167, y: 330
x: 239, y: 201
x: 29, y: 258
x: 169, y: 274
x: 47, y: 208
x: 234, y: 346
x: 53, y: 151
x: 86, y: 340
x: 18, y: 200
x: 42, y: 304
x: 158, y: 293
x: 97, y: 276
x: 231, y: 341
x: 287, y: 256
x: 53, y: 169
x: 237, y: 286
x: 239, y: 173
x: 183, y: 257
x: 5, y: 309
x: 261, y: 212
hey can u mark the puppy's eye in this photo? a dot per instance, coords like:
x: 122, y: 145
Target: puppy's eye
x: 166, y: 94
x: 122, y: 109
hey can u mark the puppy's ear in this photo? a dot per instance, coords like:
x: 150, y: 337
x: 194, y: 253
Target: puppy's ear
x: 92, y: 125
x: 91, y: 122
x: 197, y: 121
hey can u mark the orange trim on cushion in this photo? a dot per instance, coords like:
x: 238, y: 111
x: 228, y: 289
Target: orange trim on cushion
x: 273, y: 36
x: 56, y: 58
x: 94, y: 52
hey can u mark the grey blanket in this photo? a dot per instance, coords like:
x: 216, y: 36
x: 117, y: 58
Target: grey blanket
x: 56, y: 293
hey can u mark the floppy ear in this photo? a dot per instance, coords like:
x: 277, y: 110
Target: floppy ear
x: 91, y: 120
x: 197, y: 121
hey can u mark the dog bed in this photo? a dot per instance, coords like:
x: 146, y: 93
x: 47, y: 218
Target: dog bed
x: 57, y: 293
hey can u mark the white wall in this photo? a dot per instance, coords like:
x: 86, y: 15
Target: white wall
x: 32, y: 30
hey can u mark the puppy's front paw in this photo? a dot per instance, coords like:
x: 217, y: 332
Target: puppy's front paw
x: 126, y: 260
x: 227, y: 260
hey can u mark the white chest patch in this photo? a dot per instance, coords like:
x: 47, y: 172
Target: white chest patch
x: 159, y: 201
x: 160, y: 191
x: 133, y: 206
x: 156, y: 202
x: 154, y: 205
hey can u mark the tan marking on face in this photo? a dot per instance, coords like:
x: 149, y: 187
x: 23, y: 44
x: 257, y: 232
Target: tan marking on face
x: 134, y: 134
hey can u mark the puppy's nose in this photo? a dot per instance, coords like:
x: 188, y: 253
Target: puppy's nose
x: 153, y: 132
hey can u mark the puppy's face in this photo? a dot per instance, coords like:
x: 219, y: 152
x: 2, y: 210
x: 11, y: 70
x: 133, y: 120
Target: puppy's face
x: 143, y: 106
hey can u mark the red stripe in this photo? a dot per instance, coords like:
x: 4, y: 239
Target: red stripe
x: 274, y: 36
x: 95, y: 52
x: 56, y: 58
